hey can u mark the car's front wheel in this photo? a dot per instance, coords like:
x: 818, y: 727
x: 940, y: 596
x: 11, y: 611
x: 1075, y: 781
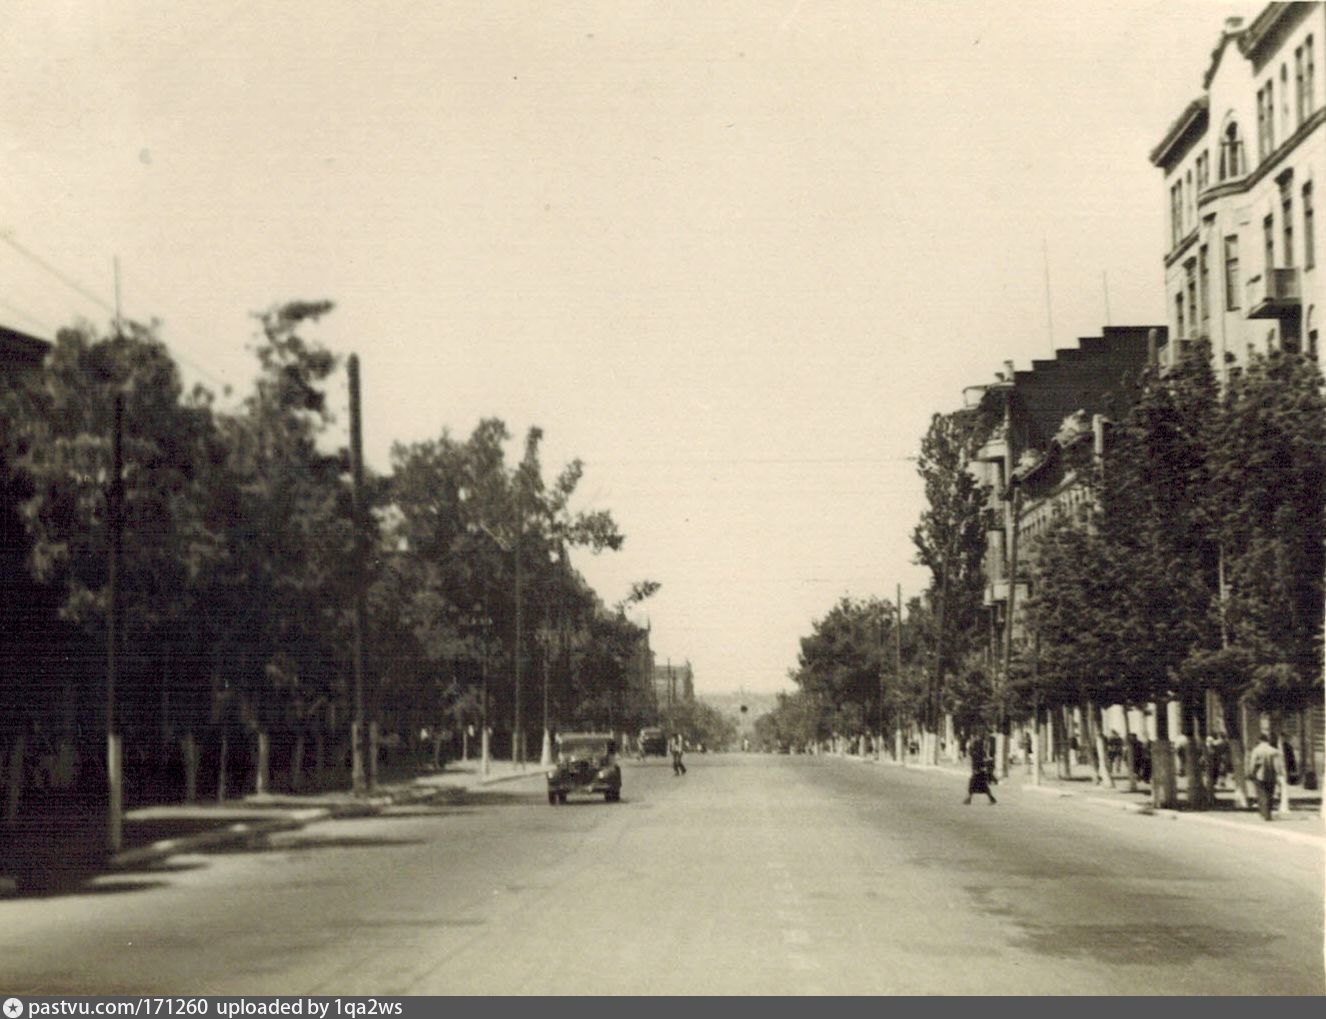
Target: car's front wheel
x: 611, y: 795
x: 552, y: 798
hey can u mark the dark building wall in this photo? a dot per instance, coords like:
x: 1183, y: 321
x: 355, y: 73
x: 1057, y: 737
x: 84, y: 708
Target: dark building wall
x: 1094, y: 377
x: 19, y: 350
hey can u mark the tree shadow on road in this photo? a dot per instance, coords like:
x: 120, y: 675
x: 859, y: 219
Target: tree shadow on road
x: 263, y: 843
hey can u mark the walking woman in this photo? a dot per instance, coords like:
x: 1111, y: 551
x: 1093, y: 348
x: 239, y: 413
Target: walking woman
x: 980, y: 770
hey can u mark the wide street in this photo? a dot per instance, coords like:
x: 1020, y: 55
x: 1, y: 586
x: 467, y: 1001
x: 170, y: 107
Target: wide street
x: 749, y: 875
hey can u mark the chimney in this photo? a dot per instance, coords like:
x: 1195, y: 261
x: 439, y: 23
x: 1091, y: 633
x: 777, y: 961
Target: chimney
x: 1233, y: 26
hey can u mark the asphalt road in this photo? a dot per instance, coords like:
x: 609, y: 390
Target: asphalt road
x: 749, y: 875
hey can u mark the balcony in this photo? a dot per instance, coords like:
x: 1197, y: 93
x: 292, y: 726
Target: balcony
x: 1276, y: 294
x: 996, y: 590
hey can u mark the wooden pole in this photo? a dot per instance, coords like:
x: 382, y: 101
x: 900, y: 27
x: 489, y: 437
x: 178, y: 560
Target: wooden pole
x: 357, y: 776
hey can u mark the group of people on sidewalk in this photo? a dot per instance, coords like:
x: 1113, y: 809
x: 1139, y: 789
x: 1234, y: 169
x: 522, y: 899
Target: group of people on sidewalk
x: 1266, y: 769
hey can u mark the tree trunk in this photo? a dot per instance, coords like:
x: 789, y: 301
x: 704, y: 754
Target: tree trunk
x: 221, y: 768
x: 297, y: 763
x: 260, y: 780
x: 14, y: 778
x: 1194, y: 769
x: 189, y: 746
x: 1063, y: 742
x: 373, y: 755
x: 1164, y: 794
x: 1094, y: 739
x: 1233, y: 711
x: 1128, y: 752
x: 319, y: 757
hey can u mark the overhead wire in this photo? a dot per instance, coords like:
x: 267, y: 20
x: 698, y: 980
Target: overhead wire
x: 88, y: 294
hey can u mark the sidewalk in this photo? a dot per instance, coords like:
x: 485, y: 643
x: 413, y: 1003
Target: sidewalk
x: 1303, y: 823
x: 151, y: 834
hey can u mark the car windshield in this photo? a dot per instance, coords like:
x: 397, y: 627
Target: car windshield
x: 583, y: 750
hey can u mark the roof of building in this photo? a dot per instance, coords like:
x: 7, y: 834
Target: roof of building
x: 1091, y: 378
x: 1264, y: 25
x: 1191, y: 122
x: 19, y: 350
x: 1248, y: 37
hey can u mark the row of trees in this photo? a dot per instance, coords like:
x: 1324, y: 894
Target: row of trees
x: 1193, y: 567
x: 238, y: 570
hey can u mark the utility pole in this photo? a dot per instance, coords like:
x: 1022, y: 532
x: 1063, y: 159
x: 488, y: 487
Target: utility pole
x: 1008, y: 644
x: 518, y: 736
x: 879, y: 742
x: 897, y: 663
x: 115, y: 524
x: 115, y: 516
x: 357, y: 777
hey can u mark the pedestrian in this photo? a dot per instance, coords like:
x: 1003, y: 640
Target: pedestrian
x: 1264, y: 766
x: 678, y: 745
x: 980, y: 770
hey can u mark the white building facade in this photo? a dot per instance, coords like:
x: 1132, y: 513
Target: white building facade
x: 1245, y: 171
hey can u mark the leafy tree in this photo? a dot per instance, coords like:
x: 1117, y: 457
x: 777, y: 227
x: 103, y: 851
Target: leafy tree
x: 950, y: 541
x: 1269, y: 466
x: 843, y: 662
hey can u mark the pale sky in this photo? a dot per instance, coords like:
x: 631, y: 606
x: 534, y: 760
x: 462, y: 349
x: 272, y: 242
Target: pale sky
x: 732, y: 255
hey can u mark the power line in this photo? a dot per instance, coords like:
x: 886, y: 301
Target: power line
x: 87, y: 293
x: 73, y: 284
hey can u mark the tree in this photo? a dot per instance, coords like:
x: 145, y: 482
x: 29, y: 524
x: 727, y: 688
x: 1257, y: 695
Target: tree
x: 61, y: 445
x: 844, y: 661
x: 950, y: 541
x: 1268, y: 468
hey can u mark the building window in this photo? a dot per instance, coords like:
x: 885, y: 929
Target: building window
x: 1204, y: 290
x: 1203, y: 171
x: 1266, y: 121
x: 1190, y: 206
x: 1261, y: 124
x: 1178, y: 314
x: 1231, y: 153
x: 1309, y: 74
x: 1287, y: 225
x: 1312, y: 333
x: 1268, y: 242
x: 1176, y: 213
x: 1190, y: 287
x: 1232, y: 272
x: 1299, y: 104
x: 1285, y: 128
x: 1270, y: 117
x: 1309, y: 246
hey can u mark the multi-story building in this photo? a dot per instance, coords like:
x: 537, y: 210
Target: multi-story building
x: 673, y: 684
x: 1055, y: 405
x: 1244, y: 164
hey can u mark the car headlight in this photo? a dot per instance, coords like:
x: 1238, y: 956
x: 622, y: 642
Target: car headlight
x: 553, y: 773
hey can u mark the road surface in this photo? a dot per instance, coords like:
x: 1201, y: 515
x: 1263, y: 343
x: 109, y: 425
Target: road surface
x: 749, y: 875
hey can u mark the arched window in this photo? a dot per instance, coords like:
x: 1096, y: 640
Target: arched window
x: 1231, y: 151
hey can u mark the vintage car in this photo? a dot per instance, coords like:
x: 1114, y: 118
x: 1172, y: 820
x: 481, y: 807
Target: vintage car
x: 586, y: 762
x: 653, y: 743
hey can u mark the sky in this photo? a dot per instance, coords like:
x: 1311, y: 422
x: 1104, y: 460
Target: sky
x: 732, y: 256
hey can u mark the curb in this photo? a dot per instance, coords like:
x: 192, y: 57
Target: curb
x: 1143, y: 809
x: 1146, y: 810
